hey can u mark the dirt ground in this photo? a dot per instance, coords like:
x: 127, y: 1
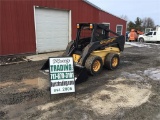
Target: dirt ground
x: 131, y: 92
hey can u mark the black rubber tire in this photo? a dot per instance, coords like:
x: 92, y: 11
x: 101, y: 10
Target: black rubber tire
x: 90, y: 62
x: 141, y: 39
x: 109, y: 60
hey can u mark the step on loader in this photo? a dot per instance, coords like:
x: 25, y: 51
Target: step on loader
x: 93, y: 48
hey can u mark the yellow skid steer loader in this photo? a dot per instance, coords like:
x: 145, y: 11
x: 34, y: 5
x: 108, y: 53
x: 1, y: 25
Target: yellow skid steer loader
x: 93, y: 48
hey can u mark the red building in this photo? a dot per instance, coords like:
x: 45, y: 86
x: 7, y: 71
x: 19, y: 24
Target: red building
x: 37, y: 26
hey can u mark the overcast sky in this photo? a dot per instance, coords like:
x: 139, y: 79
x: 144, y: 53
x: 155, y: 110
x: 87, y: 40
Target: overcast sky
x: 131, y: 8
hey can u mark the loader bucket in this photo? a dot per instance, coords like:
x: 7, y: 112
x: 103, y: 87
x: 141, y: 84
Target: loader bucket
x: 80, y: 74
x: 45, y: 65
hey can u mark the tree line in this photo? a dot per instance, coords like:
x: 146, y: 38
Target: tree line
x: 139, y: 24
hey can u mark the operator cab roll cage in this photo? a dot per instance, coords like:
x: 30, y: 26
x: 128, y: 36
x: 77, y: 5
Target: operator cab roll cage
x: 98, y: 32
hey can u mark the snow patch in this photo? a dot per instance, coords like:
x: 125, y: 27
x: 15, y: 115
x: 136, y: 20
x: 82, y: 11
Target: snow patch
x: 152, y: 44
x: 134, y: 77
x: 153, y: 73
x: 137, y: 44
x: 126, y: 61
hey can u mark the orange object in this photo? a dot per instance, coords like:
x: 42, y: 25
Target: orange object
x: 133, y: 35
x: 140, y: 32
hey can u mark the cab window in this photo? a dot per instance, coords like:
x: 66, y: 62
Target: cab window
x: 101, y: 34
x: 150, y: 33
x: 154, y: 33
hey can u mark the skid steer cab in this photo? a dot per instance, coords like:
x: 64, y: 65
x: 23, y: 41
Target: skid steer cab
x: 95, y: 47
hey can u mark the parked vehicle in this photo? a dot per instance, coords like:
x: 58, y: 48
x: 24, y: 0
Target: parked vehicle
x: 127, y: 32
x: 152, y: 36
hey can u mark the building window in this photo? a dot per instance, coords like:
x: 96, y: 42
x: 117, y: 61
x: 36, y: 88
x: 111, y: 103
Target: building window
x: 107, y: 24
x: 119, y: 29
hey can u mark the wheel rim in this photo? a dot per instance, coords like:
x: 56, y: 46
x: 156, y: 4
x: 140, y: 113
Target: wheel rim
x: 141, y: 40
x: 115, y: 62
x: 96, y: 65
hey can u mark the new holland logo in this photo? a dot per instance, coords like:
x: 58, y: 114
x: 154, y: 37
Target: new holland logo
x: 107, y: 41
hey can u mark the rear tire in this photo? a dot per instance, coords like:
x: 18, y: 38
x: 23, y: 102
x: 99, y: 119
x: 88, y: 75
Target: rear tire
x: 94, y: 65
x: 111, y: 61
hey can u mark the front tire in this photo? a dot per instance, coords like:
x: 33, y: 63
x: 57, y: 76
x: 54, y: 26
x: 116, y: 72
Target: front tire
x: 141, y: 39
x: 94, y: 65
x: 111, y: 61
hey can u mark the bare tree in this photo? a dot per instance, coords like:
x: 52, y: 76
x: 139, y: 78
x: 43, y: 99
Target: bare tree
x: 124, y: 17
x: 140, y: 24
x: 148, y: 23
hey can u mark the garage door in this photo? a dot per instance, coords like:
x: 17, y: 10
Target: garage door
x: 52, y: 29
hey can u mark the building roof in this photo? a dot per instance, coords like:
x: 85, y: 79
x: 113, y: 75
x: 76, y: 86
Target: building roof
x: 100, y: 9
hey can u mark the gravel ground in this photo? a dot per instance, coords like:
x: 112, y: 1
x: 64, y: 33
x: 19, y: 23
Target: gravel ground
x: 131, y: 92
